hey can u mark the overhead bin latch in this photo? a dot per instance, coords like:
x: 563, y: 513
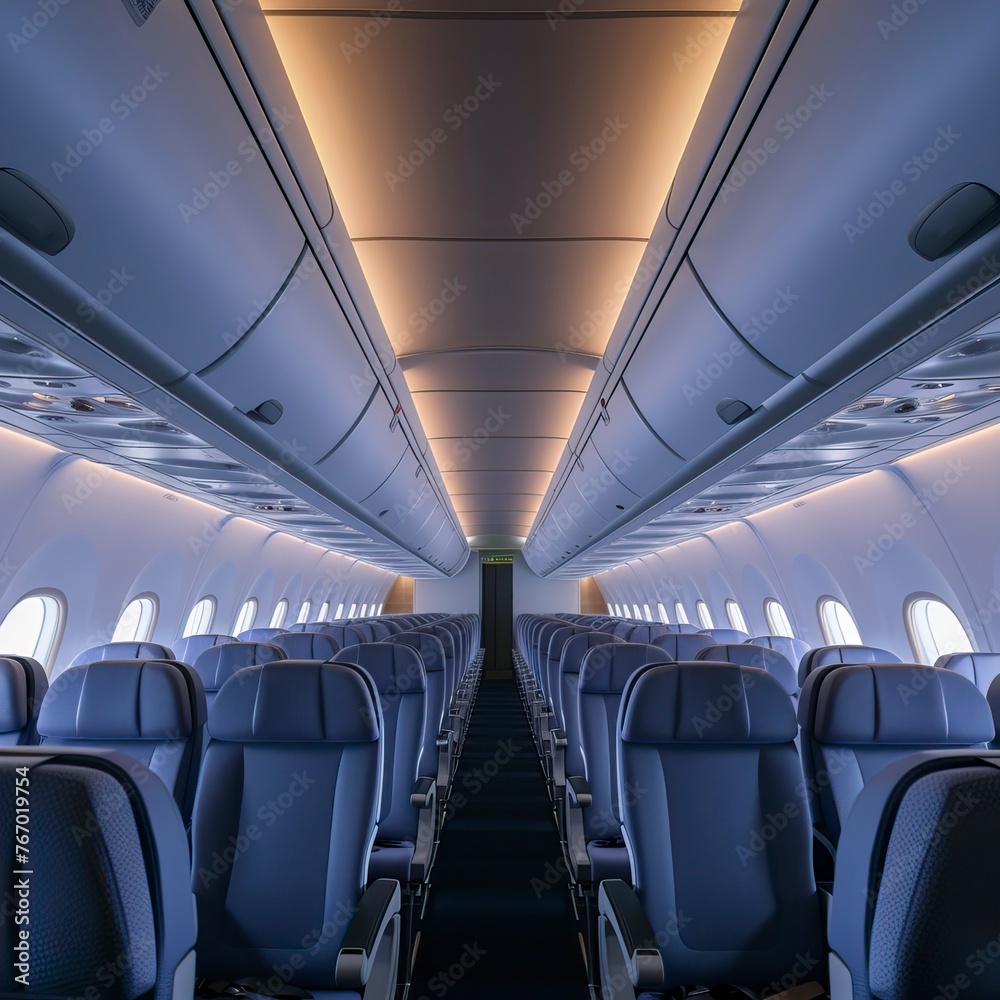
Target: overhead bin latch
x: 394, y: 423
x: 732, y: 411
x: 605, y: 416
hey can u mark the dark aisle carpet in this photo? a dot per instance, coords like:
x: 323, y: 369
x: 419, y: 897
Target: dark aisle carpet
x: 499, y: 922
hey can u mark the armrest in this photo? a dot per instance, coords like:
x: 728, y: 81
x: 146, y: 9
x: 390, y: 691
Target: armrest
x: 445, y: 738
x: 422, y: 795
x: 558, y: 738
x: 372, y: 917
x: 579, y: 791
x: 618, y: 903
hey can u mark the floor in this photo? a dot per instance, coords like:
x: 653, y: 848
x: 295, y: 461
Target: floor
x: 499, y: 921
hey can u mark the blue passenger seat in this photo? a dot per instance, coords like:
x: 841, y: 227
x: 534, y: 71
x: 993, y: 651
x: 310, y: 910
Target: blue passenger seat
x: 188, y: 649
x: 217, y: 664
x: 307, y: 645
x: 824, y: 656
x: 123, y: 651
x: 980, y: 668
x: 748, y: 655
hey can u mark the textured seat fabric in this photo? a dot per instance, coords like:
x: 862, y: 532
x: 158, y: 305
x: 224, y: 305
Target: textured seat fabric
x: 16, y: 708
x: 37, y: 684
x: 307, y: 645
x: 259, y: 634
x: 291, y: 784
x: 793, y: 648
x: 858, y: 719
x: 712, y: 746
x: 647, y: 633
x: 747, y: 655
x: 914, y: 910
x: 398, y: 675
x: 216, y: 664
x: 151, y: 710
x: 431, y: 653
x: 824, y: 656
x: 724, y: 636
x: 980, y: 668
x: 683, y: 645
x: 551, y: 664
x: 109, y: 917
x: 604, y: 673
x: 447, y: 640
x: 123, y: 651
x: 380, y: 631
x: 188, y: 649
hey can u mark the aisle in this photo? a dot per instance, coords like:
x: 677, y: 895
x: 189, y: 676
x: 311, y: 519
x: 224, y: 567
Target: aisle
x: 499, y: 922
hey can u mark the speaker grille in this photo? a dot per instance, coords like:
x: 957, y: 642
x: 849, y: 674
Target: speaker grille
x: 140, y: 9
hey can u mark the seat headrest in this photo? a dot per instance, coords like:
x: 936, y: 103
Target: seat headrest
x: 576, y: 648
x: 259, y: 634
x: 393, y: 667
x: 15, y: 712
x: 307, y: 645
x: 793, y: 648
x: 606, y: 669
x: 724, y: 636
x: 218, y: 663
x: 683, y: 645
x: 705, y: 702
x: 296, y: 701
x: 903, y: 704
x: 189, y: 647
x: 118, y: 700
x: 747, y: 655
x: 823, y: 656
x: 980, y: 668
x: 123, y: 651
x: 428, y: 646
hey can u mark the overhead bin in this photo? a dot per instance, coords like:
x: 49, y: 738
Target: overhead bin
x: 599, y: 486
x: 168, y: 190
x: 367, y: 456
x: 392, y: 502
x: 304, y: 356
x: 629, y: 448
x: 808, y: 238
x: 690, y: 364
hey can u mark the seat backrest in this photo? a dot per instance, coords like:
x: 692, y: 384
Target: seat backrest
x: 824, y: 656
x: 604, y: 672
x: 345, y: 635
x: 259, y: 634
x: 380, y: 631
x: 682, y: 628
x: 719, y: 839
x: 364, y: 630
x: 918, y: 849
x: 295, y: 746
x: 151, y: 710
x: 16, y: 707
x: 398, y: 675
x: 683, y: 645
x: 307, y: 645
x: 551, y: 661
x: 793, y: 648
x: 570, y: 663
x: 305, y: 626
x: 217, y: 664
x: 724, y: 636
x: 432, y: 656
x: 110, y: 908
x: 748, y: 655
x: 190, y: 647
x: 623, y: 629
x: 857, y: 719
x: 980, y: 668
x: 647, y: 633
x: 123, y: 651
x: 447, y: 641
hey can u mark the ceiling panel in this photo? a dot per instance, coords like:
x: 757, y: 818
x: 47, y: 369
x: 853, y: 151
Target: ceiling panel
x: 496, y: 501
x: 464, y: 481
x: 536, y: 369
x: 498, y: 453
x: 504, y: 414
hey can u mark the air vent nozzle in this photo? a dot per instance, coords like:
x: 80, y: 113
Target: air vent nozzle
x: 955, y: 219
x: 732, y: 411
x: 33, y: 214
x: 268, y: 412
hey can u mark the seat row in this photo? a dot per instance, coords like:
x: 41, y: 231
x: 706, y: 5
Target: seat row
x: 679, y: 789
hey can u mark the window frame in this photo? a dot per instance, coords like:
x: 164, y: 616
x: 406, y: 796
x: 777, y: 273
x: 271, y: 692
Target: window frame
x: 827, y: 626
x: 647, y: 612
x: 206, y: 601
x: 662, y: 612
x: 305, y: 610
x: 921, y: 648
x: 340, y: 612
x: 324, y: 610
x: 49, y: 637
x: 238, y: 623
x: 773, y: 608
x: 735, y: 616
x: 279, y: 614
x: 704, y: 613
x: 680, y: 613
x: 149, y: 613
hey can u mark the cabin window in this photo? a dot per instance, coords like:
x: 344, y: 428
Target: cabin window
x: 304, y: 610
x: 611, y: 609
x: 340, y: 612
x: 704, y: 615
x: 838, y: 624
x: 350, y: 614
x: 934, y: 629
x: 735, y: 615
x: 247, y: 616
x: 200, y: 620
x: 280, y: 613
x: 777, y: 618
x: 680, y: 613
x: 364, y: 610
x: 635, y: 613
x: 617, y: 611
x: 662, y: 612
x: 647, y: 612
x: 324, y: 610
x: 137, y: 620
x: 380, y: 607
x: 34, y: 626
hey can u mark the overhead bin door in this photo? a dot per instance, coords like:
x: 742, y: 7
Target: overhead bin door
x: 598, y: 484
x: 688, y: 362
x: 180, y: 227
x: 878, y: 110
x: 304, y: 355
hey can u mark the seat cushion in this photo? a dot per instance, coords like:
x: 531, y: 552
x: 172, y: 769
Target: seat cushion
x: 609, y: 859
x: 390, y: 859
